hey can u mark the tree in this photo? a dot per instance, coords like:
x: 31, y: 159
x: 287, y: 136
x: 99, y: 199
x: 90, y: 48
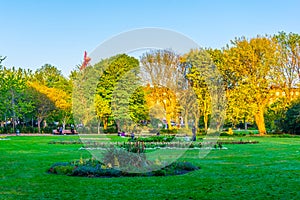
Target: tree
x: 51, y: 77
x: 94, y: 87
x: 47, y: 100
x: 252, y: 65
x: 13, y: 96
x: 275, y: 114
x: 208, y: 86
x: 138, y: 108
x: 161, y: 70
x: 116, y: 85
x: 292, y: 118
x: 103, y: 111
x: 2, y: 59
x: 83, y: 94
x: 159, y: 96
x: 289, y: 60
x: 197, y: 59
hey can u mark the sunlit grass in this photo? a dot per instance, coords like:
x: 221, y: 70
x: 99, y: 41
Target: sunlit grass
x: 267, y: 170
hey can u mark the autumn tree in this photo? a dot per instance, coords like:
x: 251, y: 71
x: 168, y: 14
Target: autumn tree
x: 252, y: 65
x: 161, y: 70
x: 50, y: 77
x: 47, y: 100
x: 166, y: 99
x: 103, y: 111
x: 196, y: 59
x: 207, y: 83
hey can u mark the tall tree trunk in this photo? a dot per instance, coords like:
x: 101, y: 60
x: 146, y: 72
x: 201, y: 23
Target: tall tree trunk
x: 186, y: 123
x: 45, y: 124
x: 168, y: 119
x: 13, y: 110
x: 260, y: 121
x: 105, y: 123
x: 245, y: 124
x: 39, y: 125
x: 98, y: 125
x: 196, y: 122
x: 205, y: 120
x: 118, y: 125
x: 64, y: 123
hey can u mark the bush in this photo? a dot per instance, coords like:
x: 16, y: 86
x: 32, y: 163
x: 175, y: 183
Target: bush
x: 125, y: 159
x: 65, y: 142
x: 162, y: 138
x: 168, y: 131
x: 63, y: 170
x: 84, y: 171
x: 60, y: 164
x: 291, y: 120
x: 186, y: 166
x: 160, y: 172
x: 224, y: 134
x: 93, y: 168
x: 48, y: 129
x: 110, y: 130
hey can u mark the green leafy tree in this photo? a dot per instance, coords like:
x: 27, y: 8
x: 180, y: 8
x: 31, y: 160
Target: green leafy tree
x: 275, y: 114
x: 138, y: 108
x: 13, y: 94
x: 83, y: 94
x: 51, y: 77
x: 113, y: 89
x: 292, y: 118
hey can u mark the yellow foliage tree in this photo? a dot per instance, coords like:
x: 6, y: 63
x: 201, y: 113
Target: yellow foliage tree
x: 251, y: 67
x: 165, y: 98
x: 49, y: 99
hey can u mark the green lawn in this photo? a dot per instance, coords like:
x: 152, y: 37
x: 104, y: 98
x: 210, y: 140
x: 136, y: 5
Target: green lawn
x: 268, y: 170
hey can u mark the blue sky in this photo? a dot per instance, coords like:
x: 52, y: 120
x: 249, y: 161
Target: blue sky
x: 57, y: 32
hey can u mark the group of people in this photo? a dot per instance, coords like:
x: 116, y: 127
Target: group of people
x: 194, y: 138
x: 123, y: 134
x: 60, y: 129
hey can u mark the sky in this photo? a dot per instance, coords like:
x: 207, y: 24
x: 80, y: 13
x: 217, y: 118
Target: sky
x: 57, y: 32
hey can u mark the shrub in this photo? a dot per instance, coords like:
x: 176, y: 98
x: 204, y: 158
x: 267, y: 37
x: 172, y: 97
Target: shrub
x: 60, y: 164
x: 48, y: 129
x: 161, y: 138
x: 93, y: 168
x: 160, y: 172
x: 183, y: 166
x: 63, y: 170
x: 124, y: 159
x: 84, y: 171
x: 168, y: 131
x: 224, y: 134
x: 65, y: 142
x: 110, y: 130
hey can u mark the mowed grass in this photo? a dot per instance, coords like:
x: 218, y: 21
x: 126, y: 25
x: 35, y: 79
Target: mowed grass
x: 268, y: 170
